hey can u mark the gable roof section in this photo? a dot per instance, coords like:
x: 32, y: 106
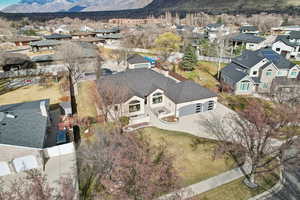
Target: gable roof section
x: 295, y: 35
x: 136, y: 59
x: 244, y: 37
x: 28, y: 128
x: 142, y: 82
x: 248, y: 28
x: 285, y: 40
x: 234, y: 72
x: 248, y: 59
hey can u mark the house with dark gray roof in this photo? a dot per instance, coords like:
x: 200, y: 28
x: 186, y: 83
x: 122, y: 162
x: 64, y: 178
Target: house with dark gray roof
x: 57, y: 36
x: 44, y: 44
x: 136, y: 61
x: 249, y: 29
x: 151, y: 91
x: 249, y: 41
x: 288, y: 45
x: 255, y: 71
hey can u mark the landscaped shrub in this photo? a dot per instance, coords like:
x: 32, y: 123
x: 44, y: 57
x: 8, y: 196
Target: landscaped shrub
x: 124, y: 121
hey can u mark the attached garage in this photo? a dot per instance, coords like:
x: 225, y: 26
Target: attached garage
x: 196, y: 108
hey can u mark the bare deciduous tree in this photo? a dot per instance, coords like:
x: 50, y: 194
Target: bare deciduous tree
x: 253, y: 132
x: 123, y: 166
x: 35, y: 186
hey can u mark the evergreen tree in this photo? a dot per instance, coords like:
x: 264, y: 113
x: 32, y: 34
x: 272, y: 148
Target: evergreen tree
x: 189, y: 60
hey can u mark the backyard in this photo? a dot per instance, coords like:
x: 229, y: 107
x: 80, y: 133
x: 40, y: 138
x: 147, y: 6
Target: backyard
x: 85, y: 104
x: 204, y: 74
x: 33, y: 92
x: 193, y: 155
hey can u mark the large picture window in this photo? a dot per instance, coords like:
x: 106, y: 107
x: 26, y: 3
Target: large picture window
x: 157, y: 98
x: 245, y: 85
x: 134, y: 106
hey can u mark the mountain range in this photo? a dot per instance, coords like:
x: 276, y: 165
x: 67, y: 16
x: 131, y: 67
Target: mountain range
x: 31, y: 6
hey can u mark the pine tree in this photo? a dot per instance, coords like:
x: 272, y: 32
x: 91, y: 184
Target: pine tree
x: 189, y: 60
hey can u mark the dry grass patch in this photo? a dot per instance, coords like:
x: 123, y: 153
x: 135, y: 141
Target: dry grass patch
x: 193, y: 155
x: 32, y: 93
x: 205, y: 74
x: 85, y: 104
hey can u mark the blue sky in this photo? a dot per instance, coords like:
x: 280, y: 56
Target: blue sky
x: 4, y: 3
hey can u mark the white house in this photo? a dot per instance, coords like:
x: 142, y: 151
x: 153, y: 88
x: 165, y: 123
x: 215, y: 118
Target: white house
x: 151, y: 91
x: 249, y: 41
x: 216, y: 30
x: 137, y: 61
x: 288, y: 45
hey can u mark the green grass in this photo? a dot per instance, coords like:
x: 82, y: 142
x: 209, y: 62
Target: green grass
x: 193, y: 156
x: 237, y: 190
x: 296, y: 62
x: 205, y: 74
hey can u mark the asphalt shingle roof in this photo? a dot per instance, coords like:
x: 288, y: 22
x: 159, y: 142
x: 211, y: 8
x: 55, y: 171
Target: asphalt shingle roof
x: 234, y: 72
x: 142, y: 82
x: 244, y: 37
x: 248, y: 28
x: 295, y: 34
x: 27, y: 129
x: 136, y: 58
x: 44, y: 43
x: 57, y: 36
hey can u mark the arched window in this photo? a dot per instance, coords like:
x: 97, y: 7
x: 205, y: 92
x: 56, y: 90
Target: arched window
x: 134, y: 106
x: 294, y: 73
x: 157, y: 98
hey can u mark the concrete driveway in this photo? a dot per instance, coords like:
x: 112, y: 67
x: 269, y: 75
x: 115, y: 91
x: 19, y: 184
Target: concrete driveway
x: 192, y: 124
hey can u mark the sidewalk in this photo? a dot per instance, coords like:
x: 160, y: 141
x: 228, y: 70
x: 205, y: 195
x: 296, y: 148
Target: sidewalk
x: 208, y: 184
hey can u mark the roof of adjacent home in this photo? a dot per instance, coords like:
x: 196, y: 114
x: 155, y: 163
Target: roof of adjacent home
x: 295, y: 34
x: 216, y: 25
x: 248, y: 28
x: 234, y: 72
x: 24, y: 124
x: 286, y: 38
x: 45, y: 43
x: 25, y: 39
x: 250, y: 58
x: 142, y: 82
x: 136, y: 59
x: 248, y: 38
x: 57, y: 36
x: 111, y: 30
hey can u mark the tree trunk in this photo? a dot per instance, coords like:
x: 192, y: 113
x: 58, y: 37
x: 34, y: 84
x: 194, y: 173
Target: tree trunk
x: 72, y: 95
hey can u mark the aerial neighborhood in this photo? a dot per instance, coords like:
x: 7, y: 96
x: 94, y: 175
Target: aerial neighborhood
x: 133, y: 104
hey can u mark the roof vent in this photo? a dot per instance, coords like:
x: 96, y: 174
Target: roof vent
x: 43, y: 108
x: 11, y: 116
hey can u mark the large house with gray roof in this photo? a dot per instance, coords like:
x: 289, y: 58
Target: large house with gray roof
x: 152, y: 91
x: 288, y: 45
x: 256, y: 71
x: 249, y: 41
x: 30, y: 139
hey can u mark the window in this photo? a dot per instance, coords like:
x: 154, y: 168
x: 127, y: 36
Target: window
x: 245, y: 85
x: 277, y: 49
x: 294, y: 73
x: 157, y: 98
x: 134, y: 106
x: 211, y: 105
x: 198, y: 107
x: 254, y: 73
x: 269, y: 72
x: 265, y: 85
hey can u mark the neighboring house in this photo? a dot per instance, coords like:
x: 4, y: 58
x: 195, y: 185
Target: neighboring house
x: 110, y: 38
x: 288, y: 45
x: 63, y: 29
x: 24, y: 41
x: 255, y: 71
x: 249, y: 29
x: 81, y: 35
x: 216, y: 30
x: 29, y: 139
x: 57, y: 36
x: 137, y: 61
x: 15, y: 62
x: 284, y: 30
x: 102, y: 32
x: 44, y: 45
x: 249, y: 41
x: 151, y: 91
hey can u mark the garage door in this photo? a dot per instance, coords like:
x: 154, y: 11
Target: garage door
x: 190, y: 109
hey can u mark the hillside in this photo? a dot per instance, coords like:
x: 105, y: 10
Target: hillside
x: 226, y: 5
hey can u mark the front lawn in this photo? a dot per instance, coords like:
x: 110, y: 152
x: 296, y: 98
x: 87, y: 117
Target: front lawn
x: 237, y: 190
x: 193, y: 155
x: 32, y: 93
x: 205, y: 74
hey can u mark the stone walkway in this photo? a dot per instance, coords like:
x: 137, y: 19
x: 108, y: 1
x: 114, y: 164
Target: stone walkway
x: 208, y: 184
